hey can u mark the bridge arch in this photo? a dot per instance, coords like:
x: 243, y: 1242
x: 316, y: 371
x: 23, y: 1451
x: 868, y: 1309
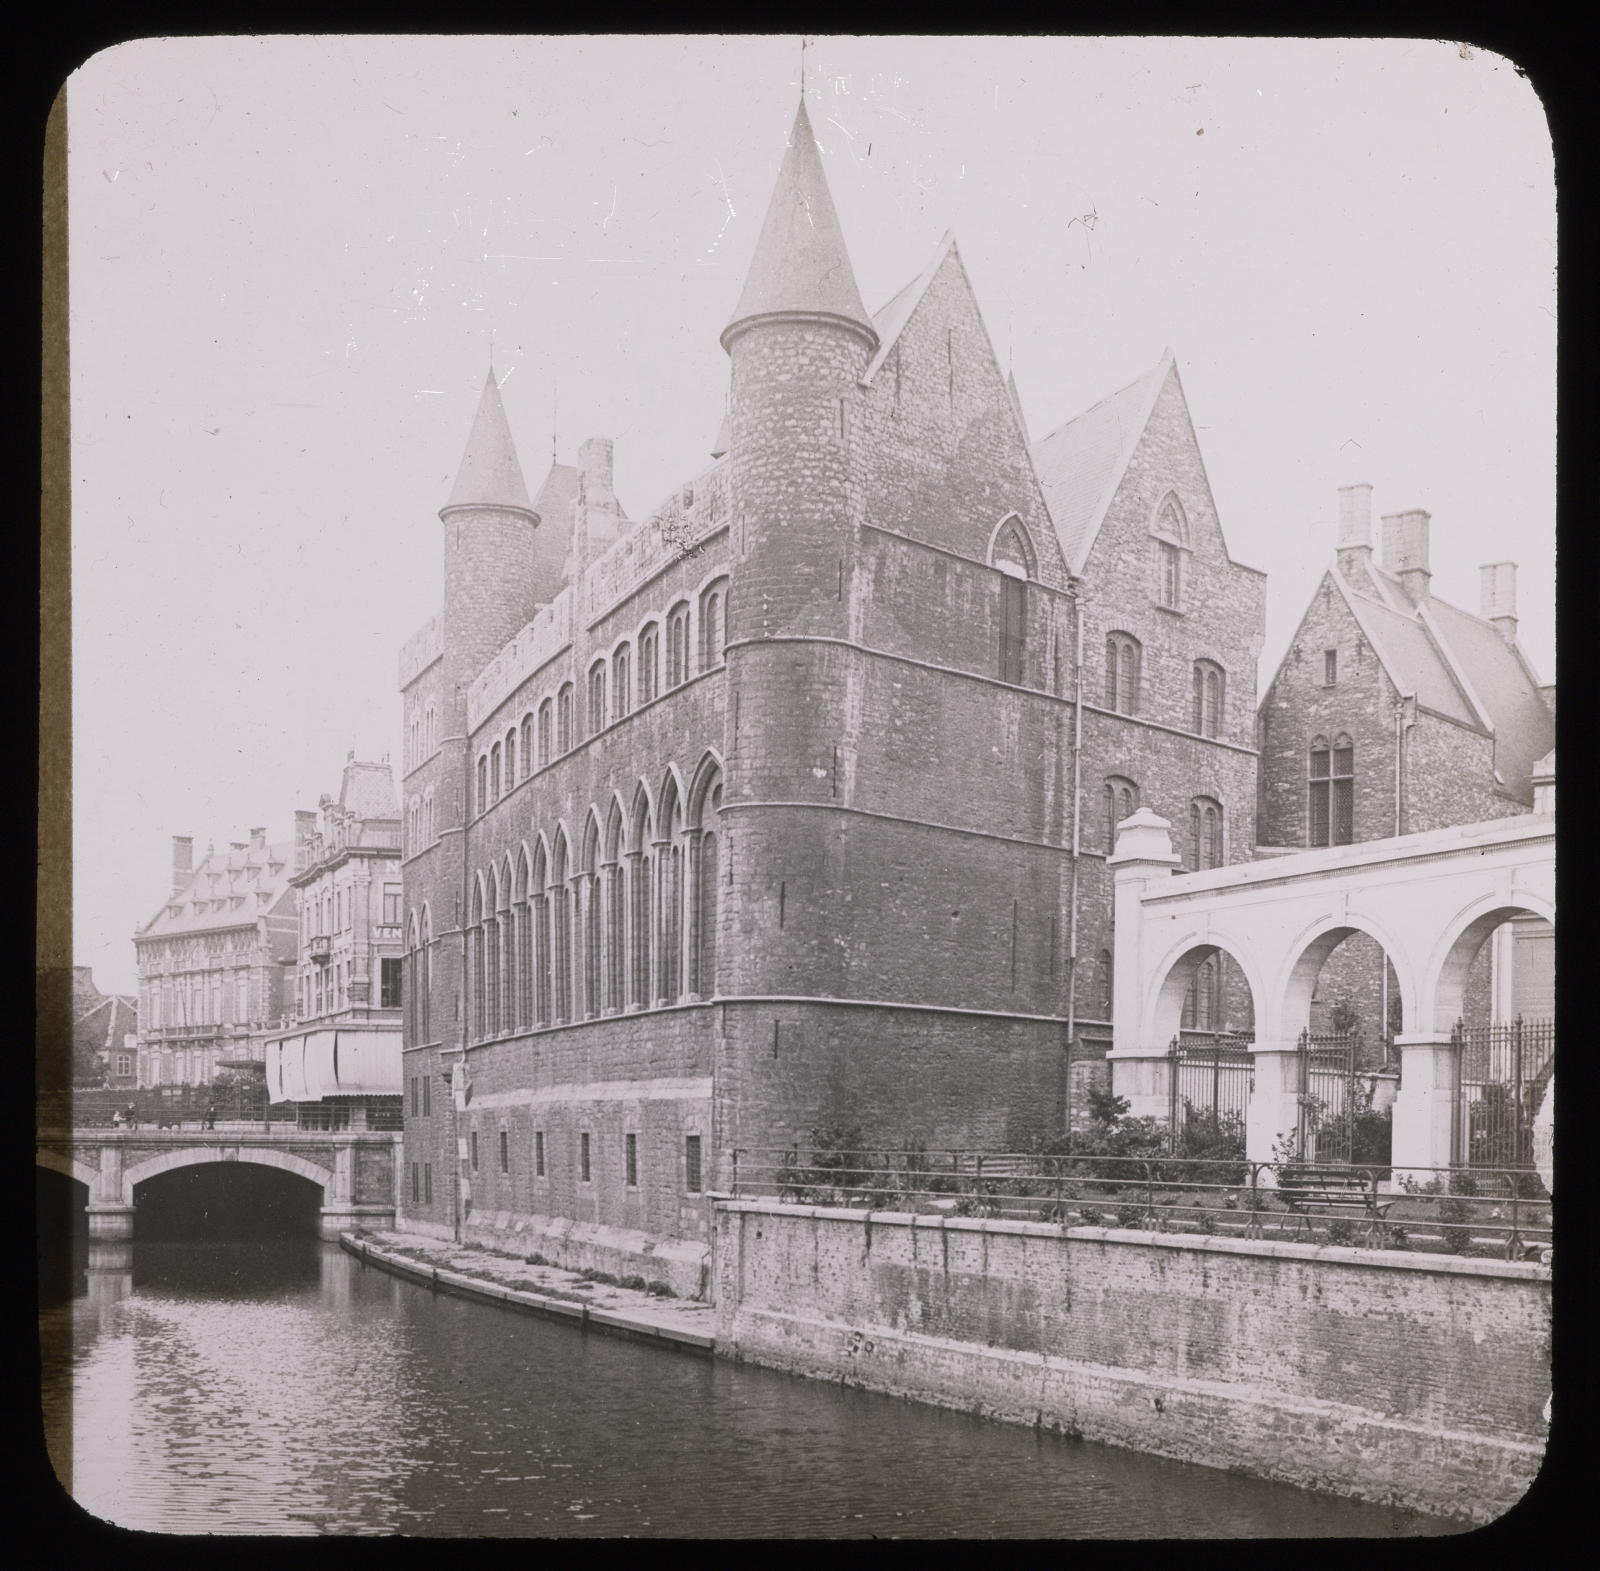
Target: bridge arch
x: 1310, y: 950
x: 201, y: 1156
x: 1463, y: 938
x: 67, y: 1167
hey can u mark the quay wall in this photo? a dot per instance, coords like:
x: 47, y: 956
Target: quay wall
x: 1417, y: 1381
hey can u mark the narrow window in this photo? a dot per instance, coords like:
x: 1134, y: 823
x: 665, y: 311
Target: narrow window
x: 538, y: 1153
x: 564, y: 719
x: 647, y: 664
x: 527, y: 744
x: 416, y: 1100
x: 544, y: 733
x: 1170, y: 575
x: 691, y: 1164
x: 711, y: 627
x: 583, y: 1157
x: 505, y: 1152
x: 677, y: 646
x: 1121, y: 801
x: 427, y: 1183
x: 1013, y: 627
x: 474, y: 1150
x: 1172, y: 534
x: 416, y: 1183
x: 631, y: 1158
x: 597, y: 698
x: 483, y: 784
x: 1122, y: 673
x: 1342, y: 826
x: 620, y: 695
x: 427, y: 1096
x: 494, y: 773
x: 1208, y: 690
x: 389, y: 984
x: 1330, y: 667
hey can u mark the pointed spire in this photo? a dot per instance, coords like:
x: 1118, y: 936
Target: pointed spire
x: 490, y: 475
x: 800, y: 264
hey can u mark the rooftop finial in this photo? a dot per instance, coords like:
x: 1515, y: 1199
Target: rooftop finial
x: 802, y: 65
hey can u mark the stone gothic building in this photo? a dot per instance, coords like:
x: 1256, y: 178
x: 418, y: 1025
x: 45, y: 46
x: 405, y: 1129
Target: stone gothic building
x: 787, y: 807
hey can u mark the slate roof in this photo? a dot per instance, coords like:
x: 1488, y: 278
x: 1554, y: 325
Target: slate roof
x: 889, y: 319
x: 489, y: 472
x: 1459, y: 666
x: 800, y: 261
x: 1081, y: 463
x: 102, y: 1026
x: 553, y: 538
x: 367, y: 790
x: 220, y: 893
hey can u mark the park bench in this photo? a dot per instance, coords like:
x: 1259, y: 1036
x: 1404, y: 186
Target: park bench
x: 1309, y: 1192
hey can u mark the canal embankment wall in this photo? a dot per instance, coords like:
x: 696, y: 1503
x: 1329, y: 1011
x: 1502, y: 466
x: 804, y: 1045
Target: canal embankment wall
x: 1412, y: 1380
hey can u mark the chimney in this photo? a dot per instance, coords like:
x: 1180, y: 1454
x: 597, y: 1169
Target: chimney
x: 305, y: 825
x: 237, y: 845
x: 598, y: 517
x: 1497, y: 597
x: 182, y: 860
x: 258, y: 839
x: 1355, y: 529
x: 1405, y: 551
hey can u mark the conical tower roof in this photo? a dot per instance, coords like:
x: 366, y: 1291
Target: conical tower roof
x: 490, y: 475
x: 800, y: 264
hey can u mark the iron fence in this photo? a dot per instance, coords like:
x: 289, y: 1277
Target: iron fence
x: 1326, y: 1083
x: 1208, y: 1087
x: 1501, y: 1074
x: 1493, y: 1212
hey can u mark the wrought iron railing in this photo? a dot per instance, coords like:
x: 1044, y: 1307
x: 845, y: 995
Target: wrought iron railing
x: 1501, y: 1074
x: 1498, y: 1213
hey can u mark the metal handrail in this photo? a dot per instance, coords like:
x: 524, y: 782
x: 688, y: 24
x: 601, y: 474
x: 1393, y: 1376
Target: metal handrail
x: 1435, y: 1209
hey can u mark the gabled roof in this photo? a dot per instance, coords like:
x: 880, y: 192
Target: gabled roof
x: 490, y: 474
x: 800, y: 262
x: 1081, y: 463
x: 553, y: 538
x: 1412, y: 659
x: 889, y: 320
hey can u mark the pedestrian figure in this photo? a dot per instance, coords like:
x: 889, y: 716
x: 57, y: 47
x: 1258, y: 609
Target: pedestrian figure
x: 133, y: 1116
x: 211, y: 1116
x: 117, y: 1119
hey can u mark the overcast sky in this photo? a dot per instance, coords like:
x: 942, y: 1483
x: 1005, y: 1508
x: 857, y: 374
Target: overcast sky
x: 289, y: 255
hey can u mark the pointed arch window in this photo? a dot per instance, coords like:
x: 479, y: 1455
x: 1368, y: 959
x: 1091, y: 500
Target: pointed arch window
x: 597, y: 698
x: 1202, y: 1003
x: 1205, y: 834
x: 677, y: 645
x: 1119, y: 800
x: 524, y: 947
x: 1209, y: 694
x: 621, y: 696
x: 539, y: 901
x: 1171, y: 530
x: 475, y: 964
x: 527, y: 745
x: 707, y: 892
x: 564, y: 719
x: 483, y: 784
x: 1107, y: 978
x: 1332, y: 790
x: 1011, y: 553
x: 649, y: 641
x: 713, y: 620
x: 1124, y: 657
x: 589, y: 883
x: 612, y: 877
x: 546, y: 710
x: 494, y: 773
x: 561, y: 936
x: 511, y: 758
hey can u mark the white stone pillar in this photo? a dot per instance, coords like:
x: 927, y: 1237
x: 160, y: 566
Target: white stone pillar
x: 1425, y: 1107
x: 1143, y: 856
x: 1273, y: 1116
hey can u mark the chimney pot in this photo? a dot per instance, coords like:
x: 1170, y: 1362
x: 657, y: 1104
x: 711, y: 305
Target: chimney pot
x: 1405, y: 551
x: 182, y: 860
x: 1497, y: 597
x: 258, y: 839
x: 1355, y: 515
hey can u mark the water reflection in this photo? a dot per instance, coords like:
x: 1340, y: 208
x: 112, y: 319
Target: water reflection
x: 288, y: 1388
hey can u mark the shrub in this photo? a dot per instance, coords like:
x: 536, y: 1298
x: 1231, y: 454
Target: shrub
x: 1130, y: 1216
x: 1341, y: 1230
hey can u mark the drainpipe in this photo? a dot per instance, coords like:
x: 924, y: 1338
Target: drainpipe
x: 1077, y: 820
x: 1404, y: 719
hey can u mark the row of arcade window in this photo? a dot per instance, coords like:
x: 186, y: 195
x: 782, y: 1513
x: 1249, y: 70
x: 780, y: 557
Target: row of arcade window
x: 1204, y: 847
x: 609, y: 694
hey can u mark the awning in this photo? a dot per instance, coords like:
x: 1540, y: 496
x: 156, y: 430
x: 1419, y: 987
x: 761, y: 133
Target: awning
x: 317, y: 1064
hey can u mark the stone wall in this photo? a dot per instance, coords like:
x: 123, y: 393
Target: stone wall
x: 1415, y: 1381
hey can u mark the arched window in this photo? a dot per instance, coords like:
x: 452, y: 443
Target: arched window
x: 1123, y: 659
x: 491, y: 966
x: 475, y: 964
x: 641, y: 906
x: 669, y: 883
x: 564, y: 719
x: 546, y: 709
x: 524, y: 896
x: 511, y: 758
x: 589, y: 883
x: 427, y: 818
x: 409, y: 986
x: 527, y: 746
x: 561, y: 935
x: 1171, y: 530
x: 677, y: 645
x: 1208, y: 698
x: 713, y: 619
x: 1010, y: 550
x: 1107, y: 982
x: 425, y: 981
x: 483, y: 784
x: 539, y: 901
x: 707, y: 894
x: 597, y: 698
x: 1332, y: 791
x: 649, y: 641
x: 1202, y: 1004
x: 612, y: 878
x: 621, y: 695
x: 494, y: 773
x: 1121, y: 800
x: 1205, y: 834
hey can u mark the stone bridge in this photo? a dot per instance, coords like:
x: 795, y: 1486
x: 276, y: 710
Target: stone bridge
x: 356, y: 1170
x: 1430, y: 900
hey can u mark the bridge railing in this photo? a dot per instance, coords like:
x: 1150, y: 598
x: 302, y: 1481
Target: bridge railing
x: 176, y: 1106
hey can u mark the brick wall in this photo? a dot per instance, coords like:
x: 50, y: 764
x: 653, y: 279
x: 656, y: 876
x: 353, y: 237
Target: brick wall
x: 1398, y: 1379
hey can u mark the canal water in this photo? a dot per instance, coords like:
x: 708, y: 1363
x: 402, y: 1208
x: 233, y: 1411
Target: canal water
x: 285, y: 1387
